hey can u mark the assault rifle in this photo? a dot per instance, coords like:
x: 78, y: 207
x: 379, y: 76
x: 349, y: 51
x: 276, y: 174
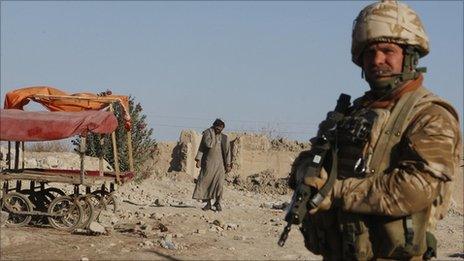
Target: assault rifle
x: 304, y: 196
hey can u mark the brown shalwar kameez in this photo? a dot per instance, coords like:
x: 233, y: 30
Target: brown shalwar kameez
x: 214, y: 154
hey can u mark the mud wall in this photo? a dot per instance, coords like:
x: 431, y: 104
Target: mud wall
x: 251, y: 154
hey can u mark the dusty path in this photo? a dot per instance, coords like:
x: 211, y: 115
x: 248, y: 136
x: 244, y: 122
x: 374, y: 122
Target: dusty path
x: 247, y: 229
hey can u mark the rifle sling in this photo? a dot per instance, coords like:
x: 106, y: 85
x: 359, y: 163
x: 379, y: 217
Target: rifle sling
x: 323, y: 192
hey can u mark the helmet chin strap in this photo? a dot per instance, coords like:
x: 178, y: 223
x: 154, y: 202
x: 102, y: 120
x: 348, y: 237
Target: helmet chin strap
x: 382, y: 88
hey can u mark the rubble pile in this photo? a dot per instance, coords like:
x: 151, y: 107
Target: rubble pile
x: 263, y: 182
x: 284, y: 144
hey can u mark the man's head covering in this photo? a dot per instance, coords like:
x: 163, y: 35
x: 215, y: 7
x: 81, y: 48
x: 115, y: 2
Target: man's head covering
x: 219, y: 122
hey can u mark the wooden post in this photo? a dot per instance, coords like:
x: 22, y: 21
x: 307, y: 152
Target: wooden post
x: 129, y: 150
x: 115, y: 152
x: 16, y: 160
x: 100, y: 157
x: 82, y: 156
x: 8, y: 156
x: 22, y: 162
x: 6, y: 188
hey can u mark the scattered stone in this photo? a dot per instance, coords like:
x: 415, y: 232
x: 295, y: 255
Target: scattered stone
x: 97, y: 228
x: 178, y: 235
x: 81, y: 231
x: 266, y: 205
x: 145, y: 226
x: 231, y: 248
x: 84, y: 259
x: 219, y: 223
x: 200, y: 231
x: 281, y: 206
x: 166, y: 242
x: 160, y: 202
x: 157, y: 216
x: 275, y: 219
x: 167, y: 237
x: 161, y: 227
x: 140, y: 214
x: 231, y: 226
x: 76, y: 247
x: 148, y: 243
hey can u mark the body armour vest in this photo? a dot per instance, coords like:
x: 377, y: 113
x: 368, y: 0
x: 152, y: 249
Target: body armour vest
x: 368, y: 145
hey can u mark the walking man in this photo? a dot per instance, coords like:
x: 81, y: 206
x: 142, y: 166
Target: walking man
x: 214, y: 159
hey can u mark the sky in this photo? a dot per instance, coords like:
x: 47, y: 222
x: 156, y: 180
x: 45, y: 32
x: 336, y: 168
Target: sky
x: 273, y: 67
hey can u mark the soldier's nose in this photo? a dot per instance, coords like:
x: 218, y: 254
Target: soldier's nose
x: 378, y: 58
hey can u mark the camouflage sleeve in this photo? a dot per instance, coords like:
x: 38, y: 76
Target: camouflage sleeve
x: 429, y: 155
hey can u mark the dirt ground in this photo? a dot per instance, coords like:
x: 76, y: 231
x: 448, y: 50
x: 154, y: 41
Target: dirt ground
x: 158, y: 220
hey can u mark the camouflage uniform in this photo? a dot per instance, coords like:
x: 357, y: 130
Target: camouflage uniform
x: 411, y: 158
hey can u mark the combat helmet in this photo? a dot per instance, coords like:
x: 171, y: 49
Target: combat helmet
x: 388, y: 21
x: 394, y: 22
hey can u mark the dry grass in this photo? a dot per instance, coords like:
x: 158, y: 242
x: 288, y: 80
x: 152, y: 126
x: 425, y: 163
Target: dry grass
x: 48, y: 146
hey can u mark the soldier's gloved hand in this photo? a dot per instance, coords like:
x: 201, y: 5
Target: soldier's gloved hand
x: 317, y: 183
x: 197, y: 164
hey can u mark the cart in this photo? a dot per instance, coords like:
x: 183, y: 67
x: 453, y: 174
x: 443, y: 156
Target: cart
x: 67, y: 116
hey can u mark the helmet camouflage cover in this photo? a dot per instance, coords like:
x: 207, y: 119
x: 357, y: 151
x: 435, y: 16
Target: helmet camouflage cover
x: 388, y: 21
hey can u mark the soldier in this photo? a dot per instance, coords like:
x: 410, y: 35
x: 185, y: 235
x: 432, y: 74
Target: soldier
x: 399, y: 150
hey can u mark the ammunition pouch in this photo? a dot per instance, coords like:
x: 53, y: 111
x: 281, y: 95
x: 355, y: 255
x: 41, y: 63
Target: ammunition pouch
x: 355, y: 237
x: 321, y: 234
x: 387, y: 237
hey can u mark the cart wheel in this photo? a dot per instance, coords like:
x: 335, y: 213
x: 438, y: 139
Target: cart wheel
x: 15, y: 201
x: 108, y: 201
x: 55, y: 191
x: 69, y: 210
x: 49, y: 194
x: 88, y: 211
x: 30, y: 194
x: 37, y: 199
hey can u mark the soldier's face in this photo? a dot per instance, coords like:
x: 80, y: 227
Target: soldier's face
x: 381, y: 60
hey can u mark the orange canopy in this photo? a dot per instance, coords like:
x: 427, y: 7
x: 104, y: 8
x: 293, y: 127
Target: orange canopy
x: 57, y: 100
